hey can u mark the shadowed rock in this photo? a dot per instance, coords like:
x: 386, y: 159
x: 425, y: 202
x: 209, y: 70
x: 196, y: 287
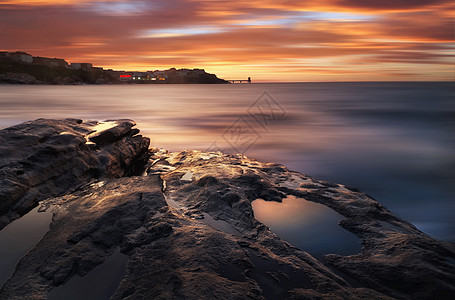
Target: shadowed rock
x: 44, y: 158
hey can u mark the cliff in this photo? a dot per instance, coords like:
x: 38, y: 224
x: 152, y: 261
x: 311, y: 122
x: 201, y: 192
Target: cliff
x: 22, y: 68
x: 14, y: 72
x: 161, y: 221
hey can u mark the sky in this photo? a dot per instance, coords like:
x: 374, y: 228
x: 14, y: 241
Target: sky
x: 283, y: 41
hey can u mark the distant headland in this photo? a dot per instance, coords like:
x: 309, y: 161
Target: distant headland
x: 23, y: 68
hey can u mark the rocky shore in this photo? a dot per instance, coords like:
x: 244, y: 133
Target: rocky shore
x: 108, y: 189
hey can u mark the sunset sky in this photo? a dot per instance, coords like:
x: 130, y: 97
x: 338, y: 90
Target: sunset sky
x: 287, y: 40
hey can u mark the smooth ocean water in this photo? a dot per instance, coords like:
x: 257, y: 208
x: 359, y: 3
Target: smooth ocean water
x: 394, y: 141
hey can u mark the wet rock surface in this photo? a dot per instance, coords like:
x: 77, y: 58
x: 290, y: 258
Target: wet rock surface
x: 164, y: 222
x: 45, y: 158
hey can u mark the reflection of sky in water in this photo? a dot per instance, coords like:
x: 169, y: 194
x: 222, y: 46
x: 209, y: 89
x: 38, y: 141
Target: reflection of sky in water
x: 19, y: 237
x: 310, y: 226
x: 393, y: 141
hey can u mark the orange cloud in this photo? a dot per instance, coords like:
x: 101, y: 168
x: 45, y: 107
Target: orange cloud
x: 269, y: 40
x: 49, y: 2
x: 40, y: 2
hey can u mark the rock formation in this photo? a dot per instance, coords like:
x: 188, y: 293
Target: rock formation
x: 161, y: 220
x: 18, y: 78
x: 22, y: 68
x: 45, y: 158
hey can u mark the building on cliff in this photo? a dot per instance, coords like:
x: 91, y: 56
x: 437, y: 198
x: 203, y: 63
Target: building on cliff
x: 157, y: 75
x: 125, y: 77
x: 143, y: 76
x: 50, y: 62
x: 82, y: 66
x: 18, y: 56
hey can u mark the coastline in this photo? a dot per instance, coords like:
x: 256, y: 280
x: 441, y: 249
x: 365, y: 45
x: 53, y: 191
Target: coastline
x: 23, y: 68
x: 108, y: 204
x: 399, y: 154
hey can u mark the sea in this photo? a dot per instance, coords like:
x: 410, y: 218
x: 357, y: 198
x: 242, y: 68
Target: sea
x: 394, y: 141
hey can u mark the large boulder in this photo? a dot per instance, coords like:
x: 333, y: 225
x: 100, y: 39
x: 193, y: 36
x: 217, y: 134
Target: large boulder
x: 45, y: 158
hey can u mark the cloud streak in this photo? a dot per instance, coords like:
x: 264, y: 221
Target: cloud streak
x: 268, y: 40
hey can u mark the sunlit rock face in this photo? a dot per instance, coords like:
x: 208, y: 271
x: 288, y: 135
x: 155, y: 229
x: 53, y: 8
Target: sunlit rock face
x: 44, y: 158
x: 189, y: 231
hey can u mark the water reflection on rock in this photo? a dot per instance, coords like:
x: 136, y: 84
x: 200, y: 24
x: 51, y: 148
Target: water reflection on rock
x: 99, y: 284
x: 19, y: 237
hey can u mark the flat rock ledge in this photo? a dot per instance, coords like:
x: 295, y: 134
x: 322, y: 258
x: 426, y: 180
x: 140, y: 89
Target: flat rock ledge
x: 159, y: 220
